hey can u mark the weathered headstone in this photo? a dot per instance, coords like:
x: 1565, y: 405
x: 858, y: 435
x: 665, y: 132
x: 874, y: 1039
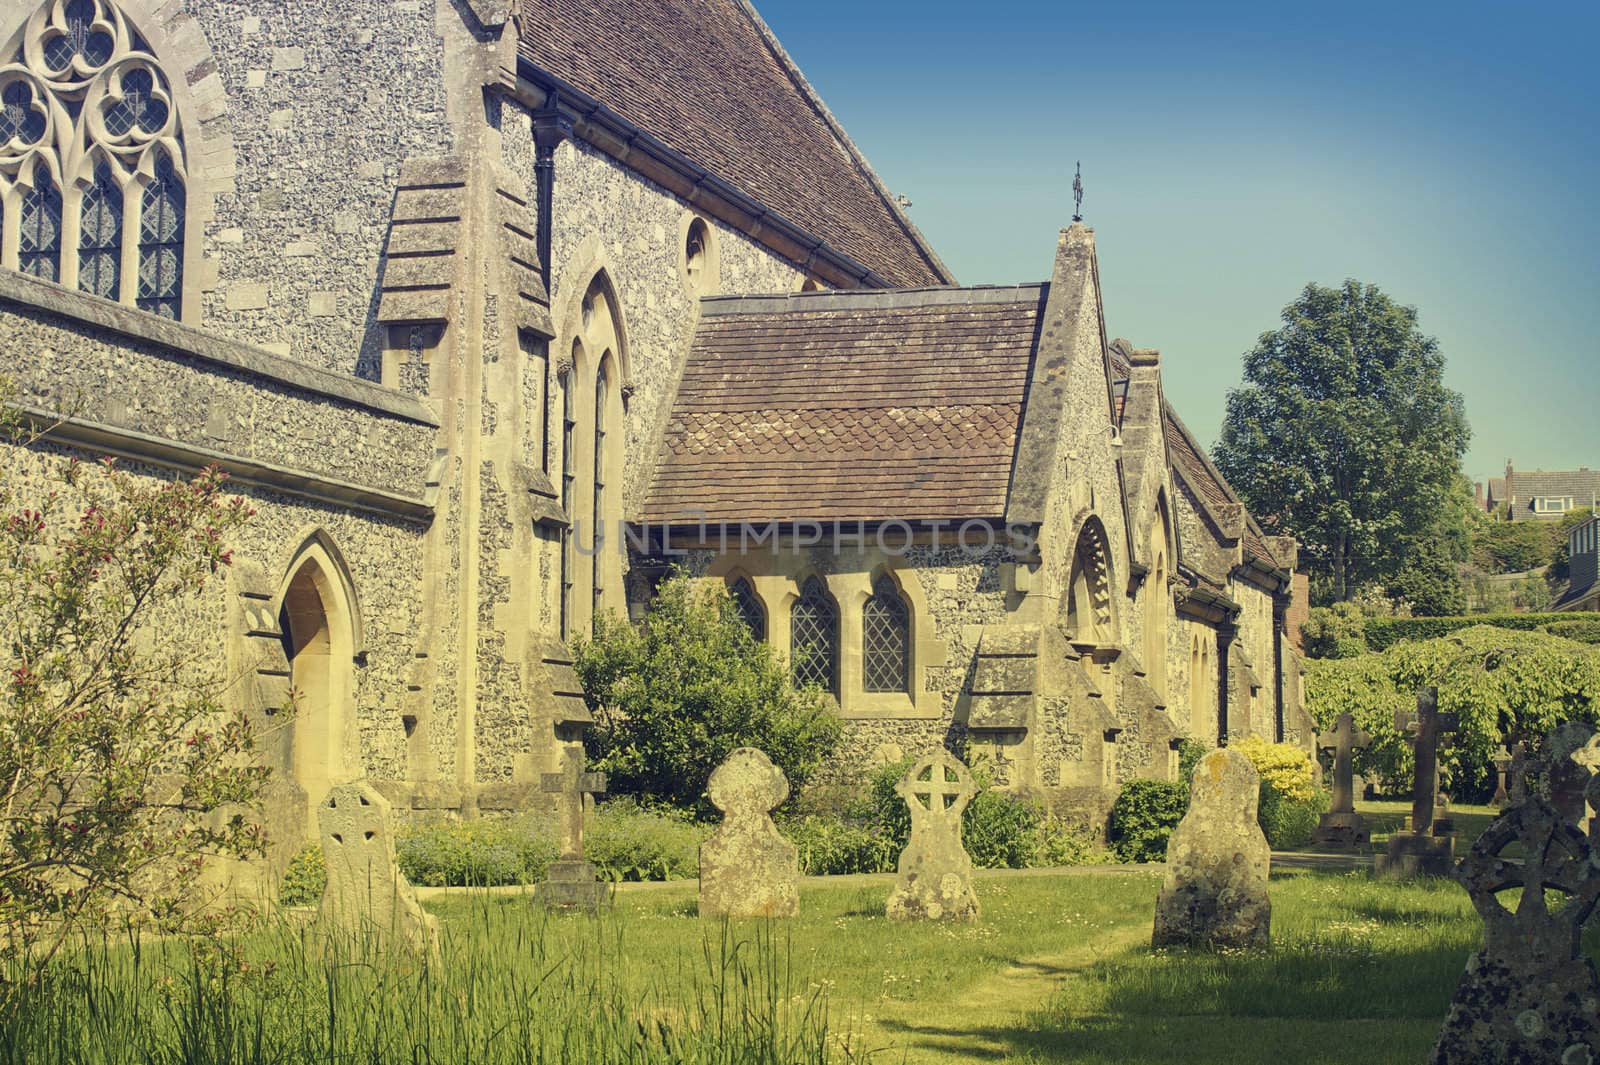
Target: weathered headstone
x: 571, y: 882
x: 1528, y: 995
x: 1502, y: 763
x: 1341, y: 826
x: 935, y: 880
x: 1421, y: 852
x: 1218, y: 861
x: 747, y: 869
x: 366, y: 891
x: 1564, y: 769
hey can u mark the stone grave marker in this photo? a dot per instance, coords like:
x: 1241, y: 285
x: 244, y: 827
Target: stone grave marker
x: 747, y: 869
x: 1341, y: 826
x: 1215, y: 892
x: 1502, y: 764
x: 1421, y: 851
x: 1564, y: 766
x: 1529, y: 995
x: 571, y: 883
x: 366, y: 891
x: 935, y: 872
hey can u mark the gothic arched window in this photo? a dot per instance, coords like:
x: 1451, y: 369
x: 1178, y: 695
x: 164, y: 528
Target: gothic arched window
x: 89, y: 135
x: 39, y: 249
x: 885, y: 639
x: 748, y: 604
x: 100, y: 234
x: 814, y: 637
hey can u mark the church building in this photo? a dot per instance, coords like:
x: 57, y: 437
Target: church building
x: 498, y: 310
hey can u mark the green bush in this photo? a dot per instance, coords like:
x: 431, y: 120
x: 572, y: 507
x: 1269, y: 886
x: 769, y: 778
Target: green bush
x: 833, y: 846
x: 1505, y: 685
x: 1143, y: 817
x: 1337, y: 631
x: 673, y: 696
x: 1583, y: 630
x: 486, y: 852
x: 1000, y: 830
x: 1287, y: 822
x: 1384, y: 633
x: 305, y: 879
x: 628, y: 842
x: 1058, y: 842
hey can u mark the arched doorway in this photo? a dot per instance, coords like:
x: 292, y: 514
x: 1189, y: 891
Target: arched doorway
x: 316, y: 619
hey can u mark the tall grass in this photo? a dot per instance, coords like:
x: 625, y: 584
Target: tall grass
x: 506, y: 987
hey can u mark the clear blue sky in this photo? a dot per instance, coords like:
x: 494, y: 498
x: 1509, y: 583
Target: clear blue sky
x: 1233, y: 152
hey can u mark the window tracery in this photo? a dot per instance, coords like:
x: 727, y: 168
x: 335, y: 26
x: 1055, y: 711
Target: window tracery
x: 93, y: 182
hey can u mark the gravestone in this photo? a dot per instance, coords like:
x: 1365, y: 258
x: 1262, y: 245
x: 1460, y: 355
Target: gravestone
x: 571, y: 882
x: 1564, y: 768
x: 1218, y: 861
x: 1420, y: 851
x: 935, y: 873
x: 1341, y: 826
x: 1528, y: 995
x: 747, y: 869
x: 1502, y: 764
x: 366, y: 891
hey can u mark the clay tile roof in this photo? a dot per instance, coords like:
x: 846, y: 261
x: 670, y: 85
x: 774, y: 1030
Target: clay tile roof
x: 1581, y: 485
x: 834, y: 407
x: 707, y: 78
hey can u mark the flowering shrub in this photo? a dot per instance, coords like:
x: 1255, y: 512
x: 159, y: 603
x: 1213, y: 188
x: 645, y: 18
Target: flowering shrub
x: 1284, y: 766
x: 121, y: 768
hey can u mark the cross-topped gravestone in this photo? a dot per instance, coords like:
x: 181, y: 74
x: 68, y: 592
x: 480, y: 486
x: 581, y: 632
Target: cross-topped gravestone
x: 747, y: 868
x: 1218, y: 862
x: 365, y: 890
x: 1419, y: 852
x: 570, y: 883
x: 1529, y: 994
x: 1424, y: 730
x: 935, y: 878
x: 1564, y: 767
x: 1502, y: 763
x: 1341, y: 826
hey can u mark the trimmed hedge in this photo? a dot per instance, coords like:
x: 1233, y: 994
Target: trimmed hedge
x: 1384, y: 633
x: 1580, y: 629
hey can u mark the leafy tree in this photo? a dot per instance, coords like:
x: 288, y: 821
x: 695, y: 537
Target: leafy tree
x: 1511, y: 546
x: 1337, y: 631
x: 121, y: 771
x: 1344, y: 435
x: 675, y: 694
x: 1507, y: 685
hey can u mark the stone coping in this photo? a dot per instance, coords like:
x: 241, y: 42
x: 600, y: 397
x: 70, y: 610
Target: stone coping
x: 871, y: 299
x: 84, y: 309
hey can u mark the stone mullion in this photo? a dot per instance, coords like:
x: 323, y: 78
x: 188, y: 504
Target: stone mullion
x: 132, y: 221
x: 71, y: 231
x: 10, y: 227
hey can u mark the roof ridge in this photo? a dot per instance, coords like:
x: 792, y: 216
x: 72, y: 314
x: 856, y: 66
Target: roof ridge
x: 876, y: 299
x: 857, y: 156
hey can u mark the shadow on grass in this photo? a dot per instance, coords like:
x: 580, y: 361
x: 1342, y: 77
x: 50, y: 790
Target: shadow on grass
x: 1360, y: 971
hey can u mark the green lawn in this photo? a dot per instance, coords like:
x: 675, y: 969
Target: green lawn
x: 1059, y: 969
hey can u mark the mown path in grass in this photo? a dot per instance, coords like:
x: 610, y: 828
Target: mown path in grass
x: 1059, y: 969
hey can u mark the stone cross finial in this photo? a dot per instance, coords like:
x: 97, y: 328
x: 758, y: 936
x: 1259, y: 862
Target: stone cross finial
x: 1344, y: 741
x: 935, y: 872
x: 572, y: 785
x: 1424, y: 730
x: 1523, y: 996
x: 747, y: 868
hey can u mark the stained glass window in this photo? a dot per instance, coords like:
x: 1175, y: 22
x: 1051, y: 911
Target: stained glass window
x: 83, y: 38
x: 750, y: 609
x: 814, y: 637
x: 885, y: 639
x: 161, y: 226
x: 20, y: 118
x: 39, y: 251
x: 100, y: 235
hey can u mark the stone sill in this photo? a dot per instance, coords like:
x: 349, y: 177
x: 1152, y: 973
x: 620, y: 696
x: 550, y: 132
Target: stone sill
x: 84, y: 309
